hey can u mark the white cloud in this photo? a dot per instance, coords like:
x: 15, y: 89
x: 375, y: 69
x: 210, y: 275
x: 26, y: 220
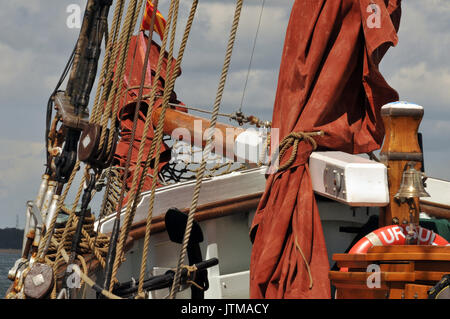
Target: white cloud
x: 21, y: 162
x: 419, y: 69
x: 424, y: 85
x: 21, y: 167
x: 13, y: 65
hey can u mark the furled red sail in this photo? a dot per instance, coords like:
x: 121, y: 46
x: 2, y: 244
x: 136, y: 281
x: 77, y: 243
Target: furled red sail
x: 329, y: 80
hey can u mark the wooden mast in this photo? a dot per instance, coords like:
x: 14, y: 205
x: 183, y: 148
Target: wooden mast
x: 401, y: 145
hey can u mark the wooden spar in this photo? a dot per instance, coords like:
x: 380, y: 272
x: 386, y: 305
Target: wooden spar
x: 401, y: 145
x: 195, y: 128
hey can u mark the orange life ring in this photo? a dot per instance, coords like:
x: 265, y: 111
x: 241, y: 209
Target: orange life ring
x: 396, y: 235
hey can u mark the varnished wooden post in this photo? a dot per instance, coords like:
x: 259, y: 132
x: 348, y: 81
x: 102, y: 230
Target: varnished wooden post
x: 401, y: 145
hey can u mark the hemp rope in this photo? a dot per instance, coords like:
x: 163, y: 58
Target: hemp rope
x: 306, y: 263
x: 159, y: 132
x: 72, y: 216
x: 129, y: 214
x: 118, y: 96
x: 86, y: 278
x: 107, y: 66
x: 126, y: 35
x: 124, y: 44
x: 94, y: 117
x: 199, y: 177
x: 292, y: 140
x: 83, y: 274
x: 43, y: 242
x: 192, y: 270
x: 86, y: 244
x: 62, y: 198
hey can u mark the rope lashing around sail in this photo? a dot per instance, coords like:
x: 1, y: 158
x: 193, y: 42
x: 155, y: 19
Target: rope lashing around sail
x: 293, y: 140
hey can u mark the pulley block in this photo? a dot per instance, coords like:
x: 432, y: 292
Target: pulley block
x: 88, y: 148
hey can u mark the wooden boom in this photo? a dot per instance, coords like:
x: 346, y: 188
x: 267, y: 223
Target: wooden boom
x: 192, y: 129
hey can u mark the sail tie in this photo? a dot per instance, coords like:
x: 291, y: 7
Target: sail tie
x: 293, y: 140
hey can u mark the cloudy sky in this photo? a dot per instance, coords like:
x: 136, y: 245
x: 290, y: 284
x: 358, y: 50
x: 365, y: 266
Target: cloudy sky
x: 35, y: 43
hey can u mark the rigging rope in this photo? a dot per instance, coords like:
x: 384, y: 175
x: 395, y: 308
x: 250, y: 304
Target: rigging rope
x: 129, y: 214
x: 93, y: 118
x: 43, y: 245
x: 251, y: 56
x: 107, y: 67
x: 193, y: 208
x: 159, y: 132
x: 105, y: 111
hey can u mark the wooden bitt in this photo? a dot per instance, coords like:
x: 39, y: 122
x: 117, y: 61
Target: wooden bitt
x: 401, y: 145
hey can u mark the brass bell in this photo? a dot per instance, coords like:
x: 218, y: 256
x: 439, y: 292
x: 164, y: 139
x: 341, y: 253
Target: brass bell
x: 412, y: 184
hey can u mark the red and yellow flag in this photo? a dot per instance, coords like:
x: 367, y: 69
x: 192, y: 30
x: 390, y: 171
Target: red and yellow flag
x: 160, y: 22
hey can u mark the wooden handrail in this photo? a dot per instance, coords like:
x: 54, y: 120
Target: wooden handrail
x: 204, y: 212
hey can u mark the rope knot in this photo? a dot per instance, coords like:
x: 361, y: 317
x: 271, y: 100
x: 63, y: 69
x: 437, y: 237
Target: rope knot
x: 191, y: 272
x: 292, y: 140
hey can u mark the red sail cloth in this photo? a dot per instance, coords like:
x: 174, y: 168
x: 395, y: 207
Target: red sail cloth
x: 329, y: 80
x: 127, y: 106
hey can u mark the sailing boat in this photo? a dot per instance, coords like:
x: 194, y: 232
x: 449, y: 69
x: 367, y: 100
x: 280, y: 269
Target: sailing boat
x: 132, y: 248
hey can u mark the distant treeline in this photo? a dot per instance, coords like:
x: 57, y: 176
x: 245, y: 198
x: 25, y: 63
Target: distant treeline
x: 11, y: 238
